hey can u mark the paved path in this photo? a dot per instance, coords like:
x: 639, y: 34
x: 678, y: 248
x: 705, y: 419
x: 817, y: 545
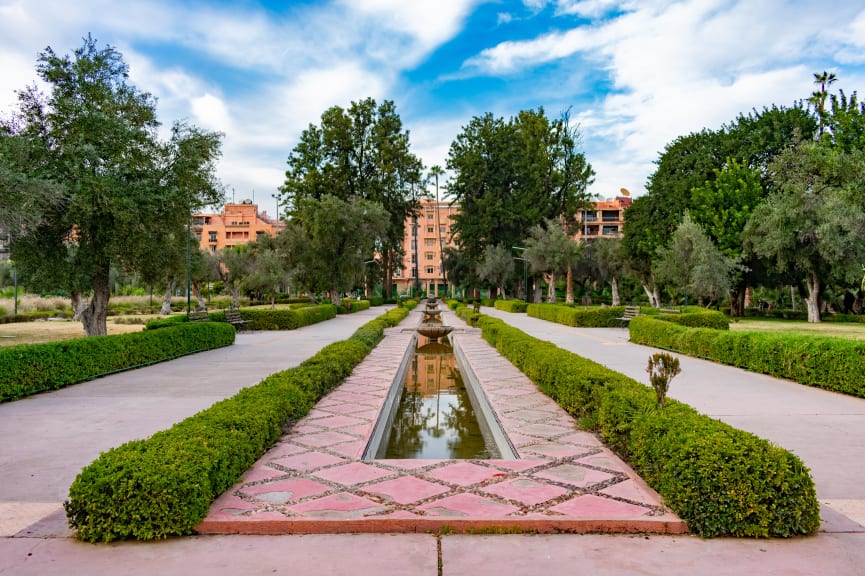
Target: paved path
x: 837, y: 553
x: 45, y: 440
x: 825, y: 429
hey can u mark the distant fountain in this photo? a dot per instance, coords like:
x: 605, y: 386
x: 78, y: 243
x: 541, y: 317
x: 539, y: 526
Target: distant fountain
x: 432, y: 326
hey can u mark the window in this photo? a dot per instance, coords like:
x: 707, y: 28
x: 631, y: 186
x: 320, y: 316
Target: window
x: 429, y: 242
x: 414, y: 258
x: 213, y: 236
x: 430, y: 270
x: 397, y: 272
x: 430, y: 229
x: 442, y: 229
x: 429, y: 255
x: 610, y: 230
x: 213, y: 249
x: 429, y: 216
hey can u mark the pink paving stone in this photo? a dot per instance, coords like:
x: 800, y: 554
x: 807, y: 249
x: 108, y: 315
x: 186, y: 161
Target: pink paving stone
x: 283, y: 491
x: 591, y: 506
x: 356, y: 398
x: 406, y: 489
x: 463, y: 473
x: 520, y: 465
x: 308, y: 461
x: 316, y: 413
x: 367, y: 414
x: 581, y: 438
x: 353, y: 450
x: 258, y: 472
x: 526, y: 402
x: 574, y: 475
x: 605, y: 460
x: 555, y: 450
x: 514, y: 391
x: 284, y: 449
x: 345, y: 408
x: 231, y: 505
x: 542, y: 430
x: 533, y: 415
x: 341, y: 505
x: 519, y: 440
x: 631, y: 490
x: 362, y: 430
x: 304, y: 427
x: 525, y: 490
x: 467, y: 505
x: 352, y: 474
x: 338, y: 421
x: 322, y: 439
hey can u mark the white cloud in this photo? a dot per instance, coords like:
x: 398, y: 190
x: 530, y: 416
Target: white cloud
x: 586, y: 8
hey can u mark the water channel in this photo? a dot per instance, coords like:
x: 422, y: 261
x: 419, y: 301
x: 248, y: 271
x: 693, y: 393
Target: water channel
x: 435, y: 418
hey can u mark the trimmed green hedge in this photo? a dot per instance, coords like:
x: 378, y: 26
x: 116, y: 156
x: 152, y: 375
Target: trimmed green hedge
x: 701, y: 319
x: 164, y: 486
x: 33, y: 368
x: 582, y: 317
x: 511, y: 305
x: 721, y: 480
x: 350, y: 305
x: 836, y: 364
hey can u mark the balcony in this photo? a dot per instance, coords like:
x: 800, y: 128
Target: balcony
x: 237, y: 225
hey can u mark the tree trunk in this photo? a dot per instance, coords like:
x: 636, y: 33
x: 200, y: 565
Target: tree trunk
x: 334, y: 297
x: 196, y: 293
x: 551, y: 289
x: 273, y: 301
x: 77, y: 305
x: 748, y: 301
x: 94, y: 315
x: 235, y: 295
x: 812, y: 301
x: 166, y: 299
x: 387, y: 263
x: 569, y: 292
x: 614, y: 287
x: 503, y: 293
x: 650, y: 292
x: 656, y: 292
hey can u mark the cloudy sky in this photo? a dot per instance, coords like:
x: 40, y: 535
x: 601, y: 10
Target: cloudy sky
x: 634, y: 74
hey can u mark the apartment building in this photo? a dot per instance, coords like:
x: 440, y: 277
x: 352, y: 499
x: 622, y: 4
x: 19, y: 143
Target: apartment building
x: 236, y: 224
x: 425, y: 236
x: 603, y: 219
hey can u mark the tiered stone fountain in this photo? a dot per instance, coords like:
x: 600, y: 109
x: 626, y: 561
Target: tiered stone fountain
x: 431, y: 326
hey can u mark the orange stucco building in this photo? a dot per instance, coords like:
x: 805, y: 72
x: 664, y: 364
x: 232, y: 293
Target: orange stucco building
x: 604, y: 219
x: 425, y: 236
x: 237, y: 224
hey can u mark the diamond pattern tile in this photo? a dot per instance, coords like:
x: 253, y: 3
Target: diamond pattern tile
x: 406, y: 489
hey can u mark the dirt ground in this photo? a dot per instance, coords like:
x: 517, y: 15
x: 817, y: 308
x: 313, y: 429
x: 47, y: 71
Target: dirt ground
x: 52, y: 330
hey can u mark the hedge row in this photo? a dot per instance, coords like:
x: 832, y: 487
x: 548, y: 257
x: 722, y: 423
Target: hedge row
x: 722, y: 481
x: 164, y: 486
x: 583, y: 317
x: 824, y: 361
x: 700, y: 319
x: 33, y: 368
x: 263, y: 319
x: 350, y: 306
x: 511, y: 305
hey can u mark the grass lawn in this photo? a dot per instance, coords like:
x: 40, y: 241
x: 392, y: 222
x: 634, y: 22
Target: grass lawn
x: 839, y: 329
x: 51, y: 331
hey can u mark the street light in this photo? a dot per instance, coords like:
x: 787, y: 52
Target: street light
x: 525, y: 269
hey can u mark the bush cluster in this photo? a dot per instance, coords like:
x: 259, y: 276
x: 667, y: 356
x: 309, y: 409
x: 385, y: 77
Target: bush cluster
x: 163, y: 486
x: 582, y: 317
x: 722, y: 481
x: 702, y: 318
x: 836, y: 364
x: 32, y: 368
x: 350, y: 305
x: 511, y: 305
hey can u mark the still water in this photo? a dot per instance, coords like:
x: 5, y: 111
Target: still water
x: 435, y: 418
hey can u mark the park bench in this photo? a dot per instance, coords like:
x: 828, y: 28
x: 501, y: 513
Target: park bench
x: 629, y: 313
x: 201, y: 316
x: 232, y: 316
x: 669, y: 310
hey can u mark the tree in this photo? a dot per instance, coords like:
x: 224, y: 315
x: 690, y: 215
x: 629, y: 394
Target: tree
x: 267, y: 270
x: 510, y: 176
x: 236, y: 264
x: 818, y: 98
x: 550, y: 251
x: 328, y: 240
x: 813, y: 224
x: 359, y: 153
x: 606, y: 262
x: 497, y: 267
x: 94, y: 135
x: 692, y: 265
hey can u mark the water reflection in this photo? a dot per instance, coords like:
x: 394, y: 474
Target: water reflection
x: 435, y: 418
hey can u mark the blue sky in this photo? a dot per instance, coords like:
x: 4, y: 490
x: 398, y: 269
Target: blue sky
x: 634, y: 74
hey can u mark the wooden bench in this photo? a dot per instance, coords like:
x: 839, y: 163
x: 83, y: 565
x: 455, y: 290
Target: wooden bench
x: 629, y: 313
x: 669, y: 310
x: 201, y: 316
x: 232, y: 316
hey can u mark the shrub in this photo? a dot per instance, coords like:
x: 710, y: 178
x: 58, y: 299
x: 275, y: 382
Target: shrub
x: 511, y: 305
x: 582, y: 317
x: 32, y: 368
x: 164, y: 486
x: 721, y: 480
x: 281, y: 319
x: 350, y: 305
x: 702, y: 318
x: 832, y: 363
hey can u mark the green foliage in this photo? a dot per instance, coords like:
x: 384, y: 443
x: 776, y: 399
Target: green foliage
x: 496, y: 267
x: 722, y: 481
x: 702, y: 318
x: 349, y: 305
x: 163, y: 486
x: 662, y: 368
x: 32, y: 368
x: 836, y: 364
x: 281, y: 319
x: 582, y: 317
x: 511, y: 305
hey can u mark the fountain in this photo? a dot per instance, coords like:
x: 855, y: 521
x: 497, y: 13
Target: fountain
x: 431, y: 326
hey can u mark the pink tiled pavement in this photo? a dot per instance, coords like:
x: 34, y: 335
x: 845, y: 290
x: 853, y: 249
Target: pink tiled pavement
x: 313, y: 479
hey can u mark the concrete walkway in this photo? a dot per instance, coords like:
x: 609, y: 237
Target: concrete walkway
x: 46, y: 440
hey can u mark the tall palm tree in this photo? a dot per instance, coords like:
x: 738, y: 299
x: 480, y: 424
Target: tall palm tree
x: 818, y: 97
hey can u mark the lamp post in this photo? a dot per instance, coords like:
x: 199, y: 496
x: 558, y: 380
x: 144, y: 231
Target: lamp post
x: 525, y: 269
x: 188, y: 269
